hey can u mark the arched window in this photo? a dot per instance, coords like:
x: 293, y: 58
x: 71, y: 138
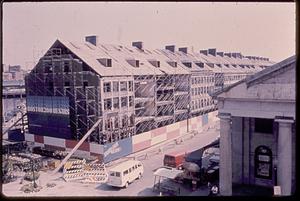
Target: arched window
x: 263, y: 162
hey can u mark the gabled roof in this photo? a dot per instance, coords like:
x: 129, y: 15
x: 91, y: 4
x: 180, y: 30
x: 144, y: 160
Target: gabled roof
x: 260, y: 75
x: 119, y: 54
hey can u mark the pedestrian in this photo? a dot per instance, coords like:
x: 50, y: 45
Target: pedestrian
x: 214, y: 190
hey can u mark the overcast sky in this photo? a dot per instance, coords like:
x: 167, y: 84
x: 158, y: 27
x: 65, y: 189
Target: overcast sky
x: 262, y: 29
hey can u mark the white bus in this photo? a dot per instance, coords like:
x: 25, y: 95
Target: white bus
x: 125, y: 173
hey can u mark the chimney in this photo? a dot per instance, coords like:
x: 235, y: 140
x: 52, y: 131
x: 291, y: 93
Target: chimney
x: 183, y: 49
x: 170, y: 47
x: 92, y: 39
x: 203, y: 52
x: 212, y: 51
x: 138, y: 44
x: 228, y: 54
x: 220, y: 54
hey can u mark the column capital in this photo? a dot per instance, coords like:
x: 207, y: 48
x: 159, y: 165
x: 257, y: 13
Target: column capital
x: 284, y: 120
x: 224, y: 116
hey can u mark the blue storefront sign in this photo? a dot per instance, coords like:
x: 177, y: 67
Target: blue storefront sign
x: 117, y: 149
x: 49, y: 116
x: 204, y: 119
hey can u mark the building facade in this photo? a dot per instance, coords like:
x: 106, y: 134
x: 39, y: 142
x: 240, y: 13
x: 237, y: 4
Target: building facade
x: 132, y: 90
x: 257, y: 130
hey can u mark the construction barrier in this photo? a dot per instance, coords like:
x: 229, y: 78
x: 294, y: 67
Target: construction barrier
x: 73, y: 170
x: 136, y: 143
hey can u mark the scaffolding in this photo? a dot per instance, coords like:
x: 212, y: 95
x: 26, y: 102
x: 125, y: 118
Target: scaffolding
x: 149, y: 101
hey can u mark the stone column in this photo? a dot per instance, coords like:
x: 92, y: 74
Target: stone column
x: 225, y: 182
x: 284, y: 155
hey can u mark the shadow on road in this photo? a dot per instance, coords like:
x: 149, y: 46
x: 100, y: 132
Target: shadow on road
x: 147, y: 192
x: 106, y: 187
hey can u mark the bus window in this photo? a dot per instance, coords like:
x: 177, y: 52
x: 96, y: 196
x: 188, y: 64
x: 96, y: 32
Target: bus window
x: 117, y: 174
x: 125, y: 172
x: 139, y: 165
x: 112, y: 174
x: 135, y: 166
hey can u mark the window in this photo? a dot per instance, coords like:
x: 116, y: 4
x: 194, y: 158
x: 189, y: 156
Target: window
x: 125, y: 172
x: 200, y: 64
x: 116, y: 122
x: 124, y: 101
x: 193, y: 81
x: 118, y: 174
x: 66, y: 67
x: 108, y: 124
x: 172, y: 63
x: 123, y: 86
x: 107, y: 87
x: 187, y: 64
x: 105, y: 62
x: 137, y: 63
x: 130, y: 101
x: 115, y: 86
x: 193, y: 92
x: 125, y: 121
x: 107, y: 104
x: 131, y: 119
x: 263, y: 125
x: 116, y: 103
x: 130, y: 86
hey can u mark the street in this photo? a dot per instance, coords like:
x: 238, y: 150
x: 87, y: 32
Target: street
x: 142, y: 187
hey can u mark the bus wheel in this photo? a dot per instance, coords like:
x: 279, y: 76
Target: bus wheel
x: 126, y: 185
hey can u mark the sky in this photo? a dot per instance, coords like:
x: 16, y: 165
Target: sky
x: 260, y: 29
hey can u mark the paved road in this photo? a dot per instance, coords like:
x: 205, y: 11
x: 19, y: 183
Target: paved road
x: 142, y: 187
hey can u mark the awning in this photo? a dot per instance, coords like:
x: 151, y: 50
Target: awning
x: 170, y: 173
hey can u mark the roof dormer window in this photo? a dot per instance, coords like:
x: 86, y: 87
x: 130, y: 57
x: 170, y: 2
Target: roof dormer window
x: 172, y: 63
x: 187, y: 64
x: 210, y: 65
x: 219, y: 65
x: 155, y: 63
x: 134, y: 62
x: 200, y: 64
x: 105, y: 62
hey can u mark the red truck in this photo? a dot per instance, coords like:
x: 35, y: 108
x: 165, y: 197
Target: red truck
x: 175, y: 159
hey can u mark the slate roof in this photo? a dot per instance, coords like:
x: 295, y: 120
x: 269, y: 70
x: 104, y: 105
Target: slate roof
x: 120, y: 55
x: 252, y: 78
